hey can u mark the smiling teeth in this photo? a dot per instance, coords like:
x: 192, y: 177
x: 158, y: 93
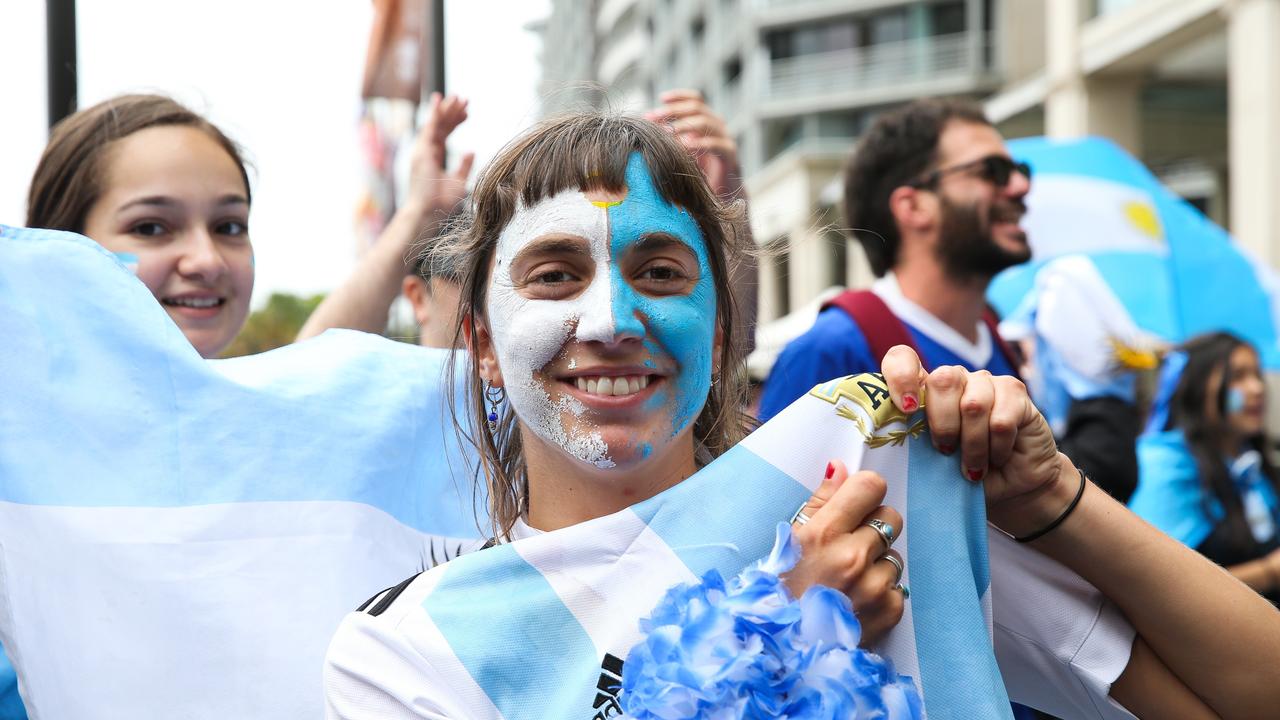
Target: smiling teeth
x: 194, y: 302
x: 622, y: 385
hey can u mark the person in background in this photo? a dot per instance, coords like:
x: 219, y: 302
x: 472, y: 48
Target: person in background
x: 168, y: 193
x: 362, y: 301
x: 1205, y: 476
x: 432, y: 292
x: 935, y: 199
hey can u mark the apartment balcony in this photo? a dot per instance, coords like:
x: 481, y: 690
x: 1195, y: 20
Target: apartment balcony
x: 610, y: 11
x: 623, y: 51
x: 888, y: 72
x: 788, y: 12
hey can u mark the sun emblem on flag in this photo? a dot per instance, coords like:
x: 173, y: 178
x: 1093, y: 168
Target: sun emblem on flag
x: 868, y: 405
x: 1142, y: 216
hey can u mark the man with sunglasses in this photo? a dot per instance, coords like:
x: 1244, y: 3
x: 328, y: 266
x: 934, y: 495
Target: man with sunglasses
x: 935, y: 200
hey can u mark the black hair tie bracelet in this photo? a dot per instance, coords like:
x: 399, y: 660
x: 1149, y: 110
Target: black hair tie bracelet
x: 1051, y: 526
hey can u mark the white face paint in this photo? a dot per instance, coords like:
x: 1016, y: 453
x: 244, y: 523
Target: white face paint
x: 529, y: 333
x: 602, y: 292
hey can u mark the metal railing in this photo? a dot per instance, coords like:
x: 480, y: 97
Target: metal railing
x: 878, y: 66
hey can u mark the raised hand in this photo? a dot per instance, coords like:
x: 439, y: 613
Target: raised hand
x: 432, y: 189
x: 704, y: 135
x: 841, y: 550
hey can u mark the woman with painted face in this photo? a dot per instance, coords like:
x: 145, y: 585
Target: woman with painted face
x: 165, y: 190
x: 1206, y: 478
x: 594, y: 299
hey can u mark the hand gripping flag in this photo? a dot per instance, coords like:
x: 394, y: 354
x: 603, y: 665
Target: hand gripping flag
x: 179, y: 538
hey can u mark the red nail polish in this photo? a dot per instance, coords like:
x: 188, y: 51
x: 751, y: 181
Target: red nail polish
x: 831, y: 470
x: 975, y: 475
x: 909, y: 402
x: 946, y: 449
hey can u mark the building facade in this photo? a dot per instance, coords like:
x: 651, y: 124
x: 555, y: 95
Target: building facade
x: 799, y: 80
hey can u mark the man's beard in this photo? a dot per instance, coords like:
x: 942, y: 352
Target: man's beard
x: 966, y: 247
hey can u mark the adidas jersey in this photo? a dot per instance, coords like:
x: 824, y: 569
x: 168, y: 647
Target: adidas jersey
x: 540, y: 627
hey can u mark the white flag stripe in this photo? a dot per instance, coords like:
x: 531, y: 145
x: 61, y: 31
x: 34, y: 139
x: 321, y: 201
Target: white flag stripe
x: 584, y: 572
x: 150, y: 589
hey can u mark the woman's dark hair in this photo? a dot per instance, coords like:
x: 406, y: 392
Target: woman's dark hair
x: 588, y: 151
x: 68, y: 179
x: 1209, y: 357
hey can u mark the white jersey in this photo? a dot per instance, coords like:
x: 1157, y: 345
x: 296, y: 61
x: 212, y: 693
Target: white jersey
x: 540, y: 627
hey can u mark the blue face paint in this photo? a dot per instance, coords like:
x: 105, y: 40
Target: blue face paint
x: 1235, y: 401
x: 680, y: 327
x: 129, y: 260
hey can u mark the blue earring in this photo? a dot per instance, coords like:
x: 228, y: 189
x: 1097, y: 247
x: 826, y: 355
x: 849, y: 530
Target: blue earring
x: 495, y: 395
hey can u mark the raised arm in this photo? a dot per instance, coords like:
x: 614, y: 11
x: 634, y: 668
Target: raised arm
x: 1201, y: 633
x: 362, y: 301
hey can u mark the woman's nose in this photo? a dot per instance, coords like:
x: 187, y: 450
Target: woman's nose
x: 201, y: 257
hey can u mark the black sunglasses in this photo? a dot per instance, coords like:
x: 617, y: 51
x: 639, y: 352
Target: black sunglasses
x: 995, y: 168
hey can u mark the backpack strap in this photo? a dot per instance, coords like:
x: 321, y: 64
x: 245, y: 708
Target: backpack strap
x: 1012, y: 356
x: 879, y: 325
x: 883, y: 329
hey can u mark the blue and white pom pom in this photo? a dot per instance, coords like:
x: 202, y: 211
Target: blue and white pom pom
x: 746, y: 649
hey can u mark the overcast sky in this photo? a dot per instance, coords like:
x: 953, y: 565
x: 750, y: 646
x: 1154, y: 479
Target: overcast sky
x: 283, y: 79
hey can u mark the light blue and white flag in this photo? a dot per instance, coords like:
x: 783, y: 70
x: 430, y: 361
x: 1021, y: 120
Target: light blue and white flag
x: 540, y: 627
x: 1175, y: 272
x: 179, y: 538
x: 532, y: 629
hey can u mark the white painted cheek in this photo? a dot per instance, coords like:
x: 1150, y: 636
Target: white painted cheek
x: 529, y: 334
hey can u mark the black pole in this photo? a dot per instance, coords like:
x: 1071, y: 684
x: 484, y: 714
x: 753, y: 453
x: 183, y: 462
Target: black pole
x: 435, y: 47
x: 60, y: 39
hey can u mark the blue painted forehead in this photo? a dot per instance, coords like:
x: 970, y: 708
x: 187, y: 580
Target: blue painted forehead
x: 644, y: 210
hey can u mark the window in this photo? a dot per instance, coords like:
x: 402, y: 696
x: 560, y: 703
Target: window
x: 732, y: 70
x: 841, y: 124
x: 837, y: 259
x: 827, y: 36
x: 947, y: 18
x: 889, y: 27
x: 780, y: 135
x: 780, y: 248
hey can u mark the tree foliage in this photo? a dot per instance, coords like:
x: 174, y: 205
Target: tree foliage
x: 274, y: 325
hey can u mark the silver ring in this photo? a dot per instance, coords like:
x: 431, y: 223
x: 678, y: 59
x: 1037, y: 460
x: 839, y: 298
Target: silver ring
x: 897, y: 564
x: 902, y: 588
x: 885, y: 529
x: 799, y: 519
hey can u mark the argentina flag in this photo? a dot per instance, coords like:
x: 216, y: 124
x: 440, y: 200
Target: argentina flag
x: 540, y: 627
x: 178, y: 537
x: 1158, y: 256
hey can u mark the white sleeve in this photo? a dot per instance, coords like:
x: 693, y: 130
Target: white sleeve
x: 1059, y: 642
x: 372, y: 671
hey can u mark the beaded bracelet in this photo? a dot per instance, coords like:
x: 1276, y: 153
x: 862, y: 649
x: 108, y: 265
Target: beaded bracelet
x: 1048, y: 528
